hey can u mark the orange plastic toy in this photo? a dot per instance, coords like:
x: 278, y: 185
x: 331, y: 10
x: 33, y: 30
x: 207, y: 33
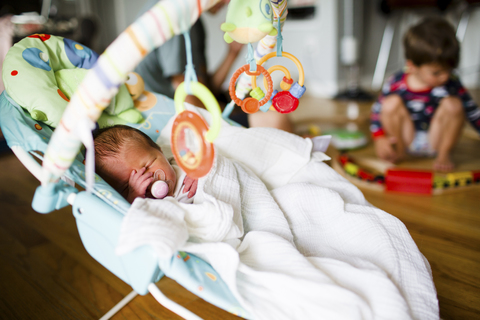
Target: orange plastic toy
x: 252, y: 104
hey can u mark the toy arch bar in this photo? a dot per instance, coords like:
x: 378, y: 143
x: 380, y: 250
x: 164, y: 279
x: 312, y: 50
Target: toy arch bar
x: 101, y: 83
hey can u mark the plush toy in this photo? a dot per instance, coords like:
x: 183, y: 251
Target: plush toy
x: 142, y: 100
x: 41, y: 72
x: 121, y: 108
x: 248, y: 21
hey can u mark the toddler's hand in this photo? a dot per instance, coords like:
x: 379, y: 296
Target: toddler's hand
x: 190, y: 186
x: 385, y: 150
x: 138, y: 183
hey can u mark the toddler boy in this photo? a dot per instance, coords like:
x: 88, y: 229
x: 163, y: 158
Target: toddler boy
x: 422, y: 110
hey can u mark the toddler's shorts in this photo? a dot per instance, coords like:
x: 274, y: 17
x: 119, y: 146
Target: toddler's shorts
x: 420, y: 145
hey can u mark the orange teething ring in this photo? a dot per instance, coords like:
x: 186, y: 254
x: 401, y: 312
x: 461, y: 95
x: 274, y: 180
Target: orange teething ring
x: 193, y: 153
x: 251, y: 105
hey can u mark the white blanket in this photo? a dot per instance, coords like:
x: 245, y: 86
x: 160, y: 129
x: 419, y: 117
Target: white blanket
x: 290, y: 237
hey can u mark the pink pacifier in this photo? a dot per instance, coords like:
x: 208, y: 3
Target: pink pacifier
x: 159, y: 188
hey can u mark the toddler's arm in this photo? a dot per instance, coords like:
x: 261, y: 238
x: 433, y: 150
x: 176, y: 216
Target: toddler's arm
x: 388, y: 88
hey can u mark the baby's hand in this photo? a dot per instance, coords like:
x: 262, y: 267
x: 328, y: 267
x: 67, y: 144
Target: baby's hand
x: 138, y: 183
x: 190, y: 186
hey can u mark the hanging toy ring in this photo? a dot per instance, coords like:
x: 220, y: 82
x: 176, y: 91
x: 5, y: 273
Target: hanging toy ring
x: 251, y: 105
x: 290, y: 56
x: 286, y: 82
x: 191, y: 138
x: 284, y: 85
x: 285, y: 101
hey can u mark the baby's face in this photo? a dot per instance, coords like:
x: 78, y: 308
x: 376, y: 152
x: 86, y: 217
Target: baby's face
x: 135, y: 156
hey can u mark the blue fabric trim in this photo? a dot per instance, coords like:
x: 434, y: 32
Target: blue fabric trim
x: 251, y: 59
x: 279, y: 40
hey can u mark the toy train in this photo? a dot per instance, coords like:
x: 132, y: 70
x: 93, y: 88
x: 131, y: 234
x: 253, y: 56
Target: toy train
x: 356, y: 171
x: 412, y: 181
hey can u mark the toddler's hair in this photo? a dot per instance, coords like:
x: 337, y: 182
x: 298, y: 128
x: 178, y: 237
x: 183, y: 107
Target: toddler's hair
x: 433, y: 40
x: 109, y: 141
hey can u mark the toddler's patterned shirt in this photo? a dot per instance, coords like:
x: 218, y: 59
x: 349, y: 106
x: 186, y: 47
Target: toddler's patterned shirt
x: 422, y: 104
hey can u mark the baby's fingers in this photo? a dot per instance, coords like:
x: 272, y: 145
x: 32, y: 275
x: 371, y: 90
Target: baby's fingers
x: 140, y: 175
x: 144, y: 182
x: 193, y: 189
x: 187, y: 183
x: 140, y: 180
x: 135, y: 175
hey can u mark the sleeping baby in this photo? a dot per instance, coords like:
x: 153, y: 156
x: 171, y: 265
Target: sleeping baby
x: 135, y: 166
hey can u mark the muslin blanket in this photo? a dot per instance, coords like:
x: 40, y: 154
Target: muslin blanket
x: 290, y: 237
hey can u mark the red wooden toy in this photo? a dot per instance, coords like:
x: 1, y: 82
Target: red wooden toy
x: 365, y: 175
x: 409, y: 181
x: 476, y: 176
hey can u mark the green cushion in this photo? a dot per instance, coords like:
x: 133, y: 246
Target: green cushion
x: 41, y: 72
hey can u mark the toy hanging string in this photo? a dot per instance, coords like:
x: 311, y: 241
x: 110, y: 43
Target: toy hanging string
x: 251, y: 59
x: 228, y: 110
x: 279, y: 39
x: 190, y: 74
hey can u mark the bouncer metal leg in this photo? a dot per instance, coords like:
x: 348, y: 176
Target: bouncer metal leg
x: 119, y: 305
x: 169, y: 304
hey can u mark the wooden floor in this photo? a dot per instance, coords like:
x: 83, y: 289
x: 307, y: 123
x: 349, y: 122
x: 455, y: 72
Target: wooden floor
x: 45, y: 273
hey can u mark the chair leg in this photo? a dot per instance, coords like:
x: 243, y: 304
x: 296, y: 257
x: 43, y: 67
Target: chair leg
x: 169, y: 304
x: 384, y: 54
x: 119, y: 305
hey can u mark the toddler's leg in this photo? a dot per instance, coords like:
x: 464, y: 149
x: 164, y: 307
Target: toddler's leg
x: 397, y: 124
x: 445, y: 129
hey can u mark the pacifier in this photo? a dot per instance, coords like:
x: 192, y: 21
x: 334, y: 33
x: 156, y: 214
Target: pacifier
x: 159, y: 188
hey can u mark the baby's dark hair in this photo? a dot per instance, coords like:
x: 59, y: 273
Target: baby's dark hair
x: 109, y: 141
x: 433, y: 40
